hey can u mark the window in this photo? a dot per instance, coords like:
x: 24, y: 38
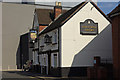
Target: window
x: 47, y: 39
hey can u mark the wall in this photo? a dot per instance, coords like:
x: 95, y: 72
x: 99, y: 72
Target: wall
x: 78, y: 50
x: 0, y: 40
x: 23, y: 56
x: 17, y: 19
x: 116, y: 44
x: 46, y: 47
x: 49, y: 46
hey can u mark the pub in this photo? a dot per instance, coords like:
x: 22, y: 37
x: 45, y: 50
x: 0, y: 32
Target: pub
x: 75, y: 41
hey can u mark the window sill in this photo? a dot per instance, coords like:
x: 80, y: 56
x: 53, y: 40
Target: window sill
x: 54, y: 43
x: 42, y: 46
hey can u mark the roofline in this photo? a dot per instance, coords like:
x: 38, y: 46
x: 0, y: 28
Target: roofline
x: 75, y: 12
x: 116, y: 8
x: 100, y: 11
x: 79, y: 9
x: 67, y: 18
x: 115, y: 14
x: 41, y: 31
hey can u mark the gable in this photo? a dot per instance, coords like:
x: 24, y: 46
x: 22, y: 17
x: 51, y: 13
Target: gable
x: 68, y: 15
x: 86, y: 13
x: 74, y: 43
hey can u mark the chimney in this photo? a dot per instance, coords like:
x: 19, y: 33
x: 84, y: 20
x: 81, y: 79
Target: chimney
x: 57, y: 9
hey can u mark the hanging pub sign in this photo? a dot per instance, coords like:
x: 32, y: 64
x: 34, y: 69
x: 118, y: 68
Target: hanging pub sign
x: 33, y: 34
x: 88, y: 27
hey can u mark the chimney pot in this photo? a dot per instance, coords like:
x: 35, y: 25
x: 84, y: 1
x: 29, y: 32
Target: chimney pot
x: 59, y: 3
x: 56, y: 3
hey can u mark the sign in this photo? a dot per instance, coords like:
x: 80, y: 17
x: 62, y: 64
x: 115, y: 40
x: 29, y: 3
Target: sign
x: 88, y: 27
x: 33, y: 34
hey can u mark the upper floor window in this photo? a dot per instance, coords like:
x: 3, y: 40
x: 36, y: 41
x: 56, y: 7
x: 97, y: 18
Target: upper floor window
x: 47, y: 39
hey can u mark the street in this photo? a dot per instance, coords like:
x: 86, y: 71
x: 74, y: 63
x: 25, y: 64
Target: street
x: 13, y: 75
x: 18, y: 75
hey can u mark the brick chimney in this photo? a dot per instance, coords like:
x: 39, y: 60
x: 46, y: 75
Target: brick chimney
x: 57, y: 9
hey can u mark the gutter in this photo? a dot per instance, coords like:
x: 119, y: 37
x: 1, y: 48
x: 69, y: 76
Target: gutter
x: 116, y: 14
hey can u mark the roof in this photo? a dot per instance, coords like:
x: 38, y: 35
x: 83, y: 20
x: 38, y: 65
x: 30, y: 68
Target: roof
x: 66, y: 16
x: 116, y: 10
x: 45, y: 16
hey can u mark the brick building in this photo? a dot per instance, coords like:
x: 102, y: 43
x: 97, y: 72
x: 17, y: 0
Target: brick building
x: 115, y: 17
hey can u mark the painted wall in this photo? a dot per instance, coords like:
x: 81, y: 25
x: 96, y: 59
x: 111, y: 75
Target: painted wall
x: 48, y: 46
x: 43, y: 58
x: 78, y: 50
x: 16, y: 20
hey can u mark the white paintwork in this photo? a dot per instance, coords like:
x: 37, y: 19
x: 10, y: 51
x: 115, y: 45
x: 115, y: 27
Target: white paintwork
x: 52, y: 59
x: 46, y: 47
x: 78, y: 50
x: 36, y: 44
x: 35, y: 59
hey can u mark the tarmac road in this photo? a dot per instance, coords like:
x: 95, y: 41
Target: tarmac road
x: 21, y: 75
x: 17, y: 75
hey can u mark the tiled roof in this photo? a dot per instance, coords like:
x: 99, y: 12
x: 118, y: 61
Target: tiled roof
x: 66, y: 16
x: 63, y: 18
x: 45, y: 16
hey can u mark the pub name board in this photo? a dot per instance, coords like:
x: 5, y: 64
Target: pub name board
x: 33, y: 34
x: 88, y: 27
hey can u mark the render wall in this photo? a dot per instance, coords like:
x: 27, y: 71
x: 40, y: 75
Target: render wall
x: 17, y: 19
x: 79, y: 50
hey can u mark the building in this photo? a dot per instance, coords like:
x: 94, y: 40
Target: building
x: 42, y: 18
x: 16, y: 21
x: 115, y: 17
x: 68, y: 45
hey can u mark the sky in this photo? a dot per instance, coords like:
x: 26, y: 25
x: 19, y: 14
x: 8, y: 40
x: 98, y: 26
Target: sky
x: 105, y: 5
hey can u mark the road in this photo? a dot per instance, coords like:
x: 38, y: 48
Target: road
x: 21, y: 75
x: 18, y: 75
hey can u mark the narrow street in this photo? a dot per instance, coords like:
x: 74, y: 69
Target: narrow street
x: 21, y: 75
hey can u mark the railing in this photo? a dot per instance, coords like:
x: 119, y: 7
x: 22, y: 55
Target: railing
x: 105, y: 61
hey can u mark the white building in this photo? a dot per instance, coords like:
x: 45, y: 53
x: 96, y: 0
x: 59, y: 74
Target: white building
x: 71, y: 41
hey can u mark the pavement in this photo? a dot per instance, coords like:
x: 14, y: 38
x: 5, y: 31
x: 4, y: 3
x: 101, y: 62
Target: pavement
x: 22, y: 75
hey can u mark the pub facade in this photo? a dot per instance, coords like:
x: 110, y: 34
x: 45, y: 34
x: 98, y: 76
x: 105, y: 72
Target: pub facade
x: 69, y: 44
